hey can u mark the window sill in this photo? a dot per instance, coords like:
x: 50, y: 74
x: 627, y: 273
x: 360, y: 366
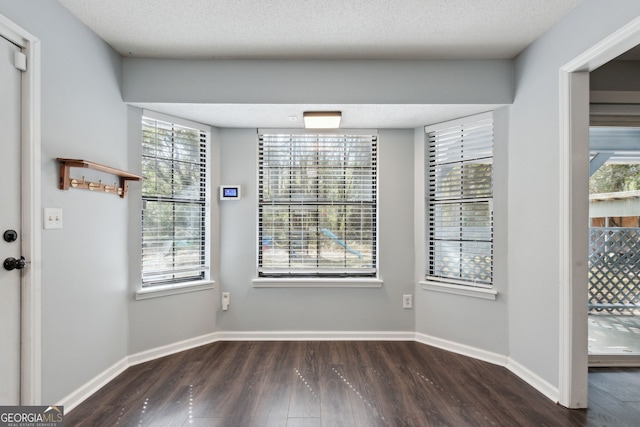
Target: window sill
x: 467, y: 291
x: 312, y: 282
x: 178, y: 288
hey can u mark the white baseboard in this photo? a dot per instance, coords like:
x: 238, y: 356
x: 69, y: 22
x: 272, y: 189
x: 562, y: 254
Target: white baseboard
x: 315, y: 336
x: 534, y: 380
x: 81, y: 394
x: 166, y: 350
x: 465, y: 350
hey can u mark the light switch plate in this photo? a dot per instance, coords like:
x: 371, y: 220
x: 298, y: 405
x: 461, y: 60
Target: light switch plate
x: 52, y: 218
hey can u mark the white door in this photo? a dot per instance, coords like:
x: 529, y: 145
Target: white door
x: 10, y: 280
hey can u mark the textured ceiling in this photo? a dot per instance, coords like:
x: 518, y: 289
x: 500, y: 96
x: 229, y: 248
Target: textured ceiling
x: 380, y: 29
x: 328, y: 29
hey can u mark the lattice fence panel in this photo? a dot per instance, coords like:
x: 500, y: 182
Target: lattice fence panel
x: 614, y: 269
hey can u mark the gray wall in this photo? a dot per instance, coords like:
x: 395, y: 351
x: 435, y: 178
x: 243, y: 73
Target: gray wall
x: 534, y: 170
x: 334, y: 82
x: 84, y: 265
x: 317, y: 309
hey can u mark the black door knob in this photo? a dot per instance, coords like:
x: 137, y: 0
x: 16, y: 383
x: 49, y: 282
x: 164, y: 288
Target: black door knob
x: 12, y: 263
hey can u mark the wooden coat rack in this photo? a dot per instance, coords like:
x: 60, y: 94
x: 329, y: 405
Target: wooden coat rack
x: 120, y: 188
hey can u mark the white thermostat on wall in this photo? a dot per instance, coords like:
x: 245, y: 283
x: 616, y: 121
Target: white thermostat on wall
x: 229, y: 192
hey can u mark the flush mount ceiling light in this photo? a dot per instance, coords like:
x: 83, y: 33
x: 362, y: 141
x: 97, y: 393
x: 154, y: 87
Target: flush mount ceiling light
x: 322, y: 119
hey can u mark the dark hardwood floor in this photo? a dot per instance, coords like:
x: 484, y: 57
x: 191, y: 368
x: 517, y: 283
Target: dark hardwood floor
x: 337, y: 383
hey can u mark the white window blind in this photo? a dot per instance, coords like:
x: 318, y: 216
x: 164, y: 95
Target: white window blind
x: 460, y: 202
x: 174, y: 202
x: 317, y: 205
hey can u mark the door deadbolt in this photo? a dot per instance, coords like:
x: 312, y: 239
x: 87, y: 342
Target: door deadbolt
x: 14, y: 264
x: 10, y: 236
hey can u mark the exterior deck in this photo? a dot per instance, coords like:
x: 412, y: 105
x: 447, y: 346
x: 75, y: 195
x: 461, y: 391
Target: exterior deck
x: 614, y: 334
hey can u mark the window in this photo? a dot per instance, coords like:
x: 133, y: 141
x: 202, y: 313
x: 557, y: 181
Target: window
x: 459, y: 201
x: 317, y: 205
x: 174, y: 201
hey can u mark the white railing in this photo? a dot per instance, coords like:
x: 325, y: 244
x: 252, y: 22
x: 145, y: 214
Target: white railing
x: 614, y: 269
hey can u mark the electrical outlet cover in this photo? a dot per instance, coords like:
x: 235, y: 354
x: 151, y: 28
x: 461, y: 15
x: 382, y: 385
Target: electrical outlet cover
x: 407, y: 301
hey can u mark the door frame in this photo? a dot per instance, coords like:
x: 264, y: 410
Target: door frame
x: 574, y: 166
x: 31, y: 217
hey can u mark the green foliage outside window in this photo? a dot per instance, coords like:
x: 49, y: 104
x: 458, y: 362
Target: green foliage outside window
x: 614, y: 178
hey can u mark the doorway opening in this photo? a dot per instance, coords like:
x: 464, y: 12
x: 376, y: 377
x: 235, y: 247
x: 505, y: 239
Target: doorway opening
x: 614, y: 214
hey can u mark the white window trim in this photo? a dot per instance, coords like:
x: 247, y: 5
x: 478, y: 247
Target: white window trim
x: 463, y: 290
x: 173, y: 289
x: 155, y: 291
